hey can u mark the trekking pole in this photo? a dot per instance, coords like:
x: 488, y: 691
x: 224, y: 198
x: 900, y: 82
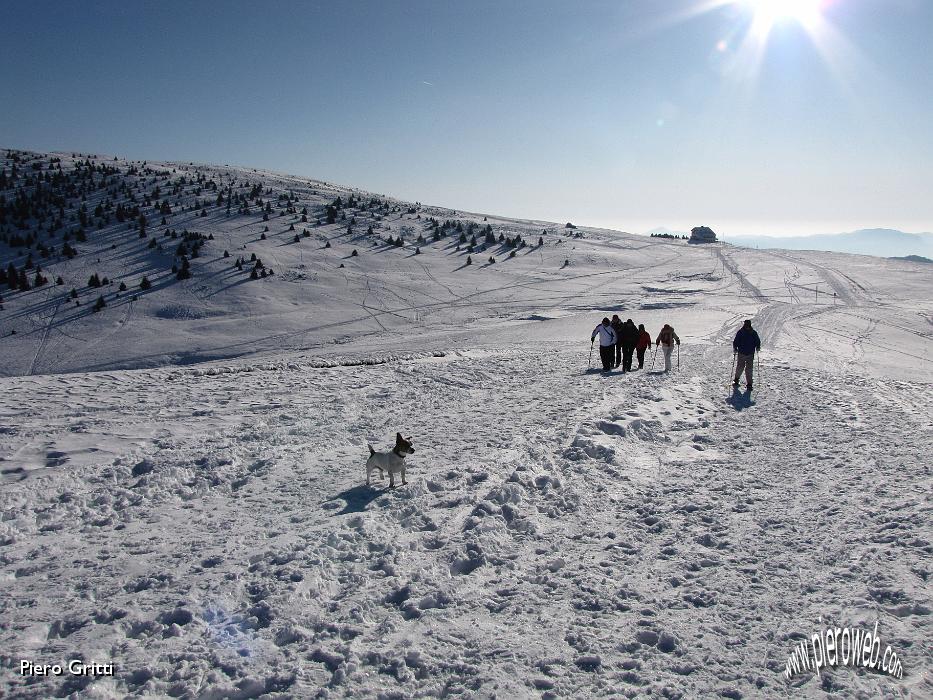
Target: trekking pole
x: 678, y: 355
x: 732, y: 371
x: 758, y: 366
x: 589, y: 365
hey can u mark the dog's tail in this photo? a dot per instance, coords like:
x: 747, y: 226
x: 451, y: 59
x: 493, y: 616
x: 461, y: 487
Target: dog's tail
x: 371, y: 450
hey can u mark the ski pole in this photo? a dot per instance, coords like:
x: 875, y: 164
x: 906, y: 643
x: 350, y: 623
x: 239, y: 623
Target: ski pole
x: 678, y: 355
x: 589, y: 364
x: 732, y: 371
x: 758, y: 365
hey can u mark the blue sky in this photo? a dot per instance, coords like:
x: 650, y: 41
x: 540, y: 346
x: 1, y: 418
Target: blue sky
x: 627, y: 114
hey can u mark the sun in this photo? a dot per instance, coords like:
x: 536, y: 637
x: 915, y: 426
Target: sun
x: 767, y: 13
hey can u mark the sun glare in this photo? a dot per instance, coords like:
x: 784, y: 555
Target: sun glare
x: 771, y: 12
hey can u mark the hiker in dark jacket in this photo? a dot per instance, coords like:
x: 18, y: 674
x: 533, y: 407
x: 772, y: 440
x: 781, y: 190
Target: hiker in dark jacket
x: 629, y: 342
x: 745, y: 344
x: 617, y: 327
x: 644, y: 342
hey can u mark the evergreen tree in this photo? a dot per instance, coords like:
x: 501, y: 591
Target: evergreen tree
x: 145, y: 284
x: 99, y: 304
x: 469, y: 260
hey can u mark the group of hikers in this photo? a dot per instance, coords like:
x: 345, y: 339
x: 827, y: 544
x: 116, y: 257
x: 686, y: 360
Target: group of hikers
x: 619, y: 342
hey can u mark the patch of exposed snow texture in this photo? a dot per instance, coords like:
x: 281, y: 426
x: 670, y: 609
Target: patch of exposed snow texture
x: 207, y: 529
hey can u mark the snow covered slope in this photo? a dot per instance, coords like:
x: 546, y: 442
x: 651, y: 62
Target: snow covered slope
x: 206, y: 528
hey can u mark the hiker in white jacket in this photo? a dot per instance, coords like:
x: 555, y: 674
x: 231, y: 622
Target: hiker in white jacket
x: 607, y: 343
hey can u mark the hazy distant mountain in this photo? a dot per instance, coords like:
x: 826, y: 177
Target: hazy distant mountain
x: 875, y: 241
x: 914, y: 258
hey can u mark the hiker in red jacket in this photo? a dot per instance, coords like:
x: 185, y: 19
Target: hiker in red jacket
x: 644, y: 342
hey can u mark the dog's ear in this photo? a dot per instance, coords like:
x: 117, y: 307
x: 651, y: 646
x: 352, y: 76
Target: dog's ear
x: 398, y: 437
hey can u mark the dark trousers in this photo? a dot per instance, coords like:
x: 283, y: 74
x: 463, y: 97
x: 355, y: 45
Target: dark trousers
x: 607, y: 355
x: 618, y: 354
x: 641, y: 357
x: 627, y: 352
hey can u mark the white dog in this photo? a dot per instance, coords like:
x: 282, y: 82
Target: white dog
x: 392, y: 462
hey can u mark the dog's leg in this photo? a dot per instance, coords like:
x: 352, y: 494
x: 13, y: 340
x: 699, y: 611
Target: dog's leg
x: 391, y: 479
x: 403, y: 474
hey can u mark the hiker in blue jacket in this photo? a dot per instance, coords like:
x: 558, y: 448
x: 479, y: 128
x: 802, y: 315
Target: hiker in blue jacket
x: 744, y: 346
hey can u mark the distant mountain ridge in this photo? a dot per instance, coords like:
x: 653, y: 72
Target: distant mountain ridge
x: 881, y: 242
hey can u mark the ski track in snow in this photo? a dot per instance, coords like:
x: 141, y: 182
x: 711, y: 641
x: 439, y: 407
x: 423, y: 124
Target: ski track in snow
x: 561, y: 534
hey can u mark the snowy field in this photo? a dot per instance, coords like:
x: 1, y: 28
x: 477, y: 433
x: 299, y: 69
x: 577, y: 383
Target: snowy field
x: 183, y: 490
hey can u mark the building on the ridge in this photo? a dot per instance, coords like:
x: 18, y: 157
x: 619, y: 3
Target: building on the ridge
x: 702, y: 234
